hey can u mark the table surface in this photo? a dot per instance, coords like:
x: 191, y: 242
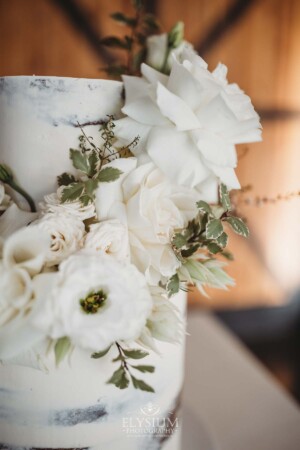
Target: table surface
x: 230, y: 401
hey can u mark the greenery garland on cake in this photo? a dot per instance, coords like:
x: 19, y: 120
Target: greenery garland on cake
x: 144, y: 214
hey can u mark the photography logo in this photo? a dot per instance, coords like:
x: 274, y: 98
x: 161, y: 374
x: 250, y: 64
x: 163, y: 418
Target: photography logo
x: 149, y: 420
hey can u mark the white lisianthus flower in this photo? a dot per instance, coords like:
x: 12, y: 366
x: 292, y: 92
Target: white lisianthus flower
x: 157, y: 47
x: 5, y: 199
x: 66, y: 233
x: 52, y: 204
x: 109, y: 236
x: 189, y: 122
x: 96, y: 301
x: 152, y: 208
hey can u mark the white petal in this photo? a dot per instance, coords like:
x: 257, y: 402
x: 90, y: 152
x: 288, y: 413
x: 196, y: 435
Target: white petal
x: 135, y: 87
x: 127, y: 129
x: 109, y: 197
x: 208, y: 190
x: 152, y: 75
x: 13, y: 219
x: 144, y: 110
x: 227, y: 176
x: 176, y: 109
x: 215, y: 149
x: 177, y: 156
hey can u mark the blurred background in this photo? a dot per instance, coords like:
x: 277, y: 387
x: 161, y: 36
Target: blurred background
x: 259, y: 40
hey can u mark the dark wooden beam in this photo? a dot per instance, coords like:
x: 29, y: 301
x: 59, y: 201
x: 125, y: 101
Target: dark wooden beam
x: 223, y: 25
x: 80, y: 19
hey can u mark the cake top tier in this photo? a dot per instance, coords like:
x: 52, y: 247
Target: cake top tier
x: 39, y: 122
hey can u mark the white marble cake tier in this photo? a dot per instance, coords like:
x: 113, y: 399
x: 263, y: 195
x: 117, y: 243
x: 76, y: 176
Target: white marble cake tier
x: 72, y: 407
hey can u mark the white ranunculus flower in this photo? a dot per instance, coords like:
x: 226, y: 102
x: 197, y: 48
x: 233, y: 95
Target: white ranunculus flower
x: 52, y: 204
x: 5, y: 199
x: 157, y: 47
x: 189, y: 122
x: 152, y: 208
x: 26, y: 249
x: 66, y: 233
x: 109, y: 236
x: 96, y: 301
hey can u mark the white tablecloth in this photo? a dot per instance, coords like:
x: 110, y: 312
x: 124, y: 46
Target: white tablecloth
x: 230, y: 400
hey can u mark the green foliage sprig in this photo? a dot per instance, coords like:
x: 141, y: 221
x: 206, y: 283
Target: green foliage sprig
x: 90, y: 160
x: 206, y: 231
x: 122, y: 376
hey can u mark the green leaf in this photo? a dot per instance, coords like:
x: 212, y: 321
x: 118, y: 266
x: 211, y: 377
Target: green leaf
x: 98, y: 355
x: 179, y: 240
x: 190, y: 251
x: 144, y: 369
x: 124, y: 20
x: 138, y: 4
x: 93, y: 163
x: 173, y: 285
x: 114, y: 42
x: 65, y: 179
x: 109, y: 174
x: 90, y: 186
x: 61, y: 349
x: 214, y: 229
x: 80, y: 161
x: 175, y: 36
x: 228, y: 255
x: 85, y: 199
x: 140, y: 384
x: 214, y: 248
x: 119, y: 379
x: 238, y: 226
x: 151, y: 22
x: 224, y: 196
x: 72, y: 192
x: 204, y: 207
x: 138, y: 58
x: 222, y: 240
x: 135, y: 354
x: 116, y: 70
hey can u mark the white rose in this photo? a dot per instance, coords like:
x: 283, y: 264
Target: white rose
x: 152, y: 209
x: 5, y: 199
x: 66, y: 233
x: 109, y: 236
x: 52, y: 204
x: 157, y: 47
x: 189, y: 122
x: 96, y: 301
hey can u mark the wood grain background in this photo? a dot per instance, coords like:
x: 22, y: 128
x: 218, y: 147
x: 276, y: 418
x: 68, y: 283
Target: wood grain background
x: 260, y: 42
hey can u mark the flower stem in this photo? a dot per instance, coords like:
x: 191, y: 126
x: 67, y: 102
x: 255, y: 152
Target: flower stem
x: 24, y: 194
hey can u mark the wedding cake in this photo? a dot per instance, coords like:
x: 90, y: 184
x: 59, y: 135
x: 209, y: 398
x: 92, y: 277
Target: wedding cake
x: 114, y: 198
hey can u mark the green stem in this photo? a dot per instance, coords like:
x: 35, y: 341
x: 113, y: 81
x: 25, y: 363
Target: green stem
x: 165, y: 63
x: 24, y: 194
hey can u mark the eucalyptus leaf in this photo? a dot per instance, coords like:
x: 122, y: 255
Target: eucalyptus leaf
x: 214, y: 229
x: 109, y: 174
x: 98, y: 355
x: 204, y: 207
x: 224, y: 196
x: 61, y: 349
x: 238, y: 226
x: 72, y: 192
x: 65, y: 179
x: 140, y: 384
x: 173, y: 285
x: 119, y: 378
x: 144, y: 369
x: 135, y: 353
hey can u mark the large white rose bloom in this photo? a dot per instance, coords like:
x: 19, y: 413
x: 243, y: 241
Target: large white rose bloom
x: 117, y: 295
x: 66, y: 233
x: 152, y: 208
x: 189, y: 122
x: 109, y: 236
